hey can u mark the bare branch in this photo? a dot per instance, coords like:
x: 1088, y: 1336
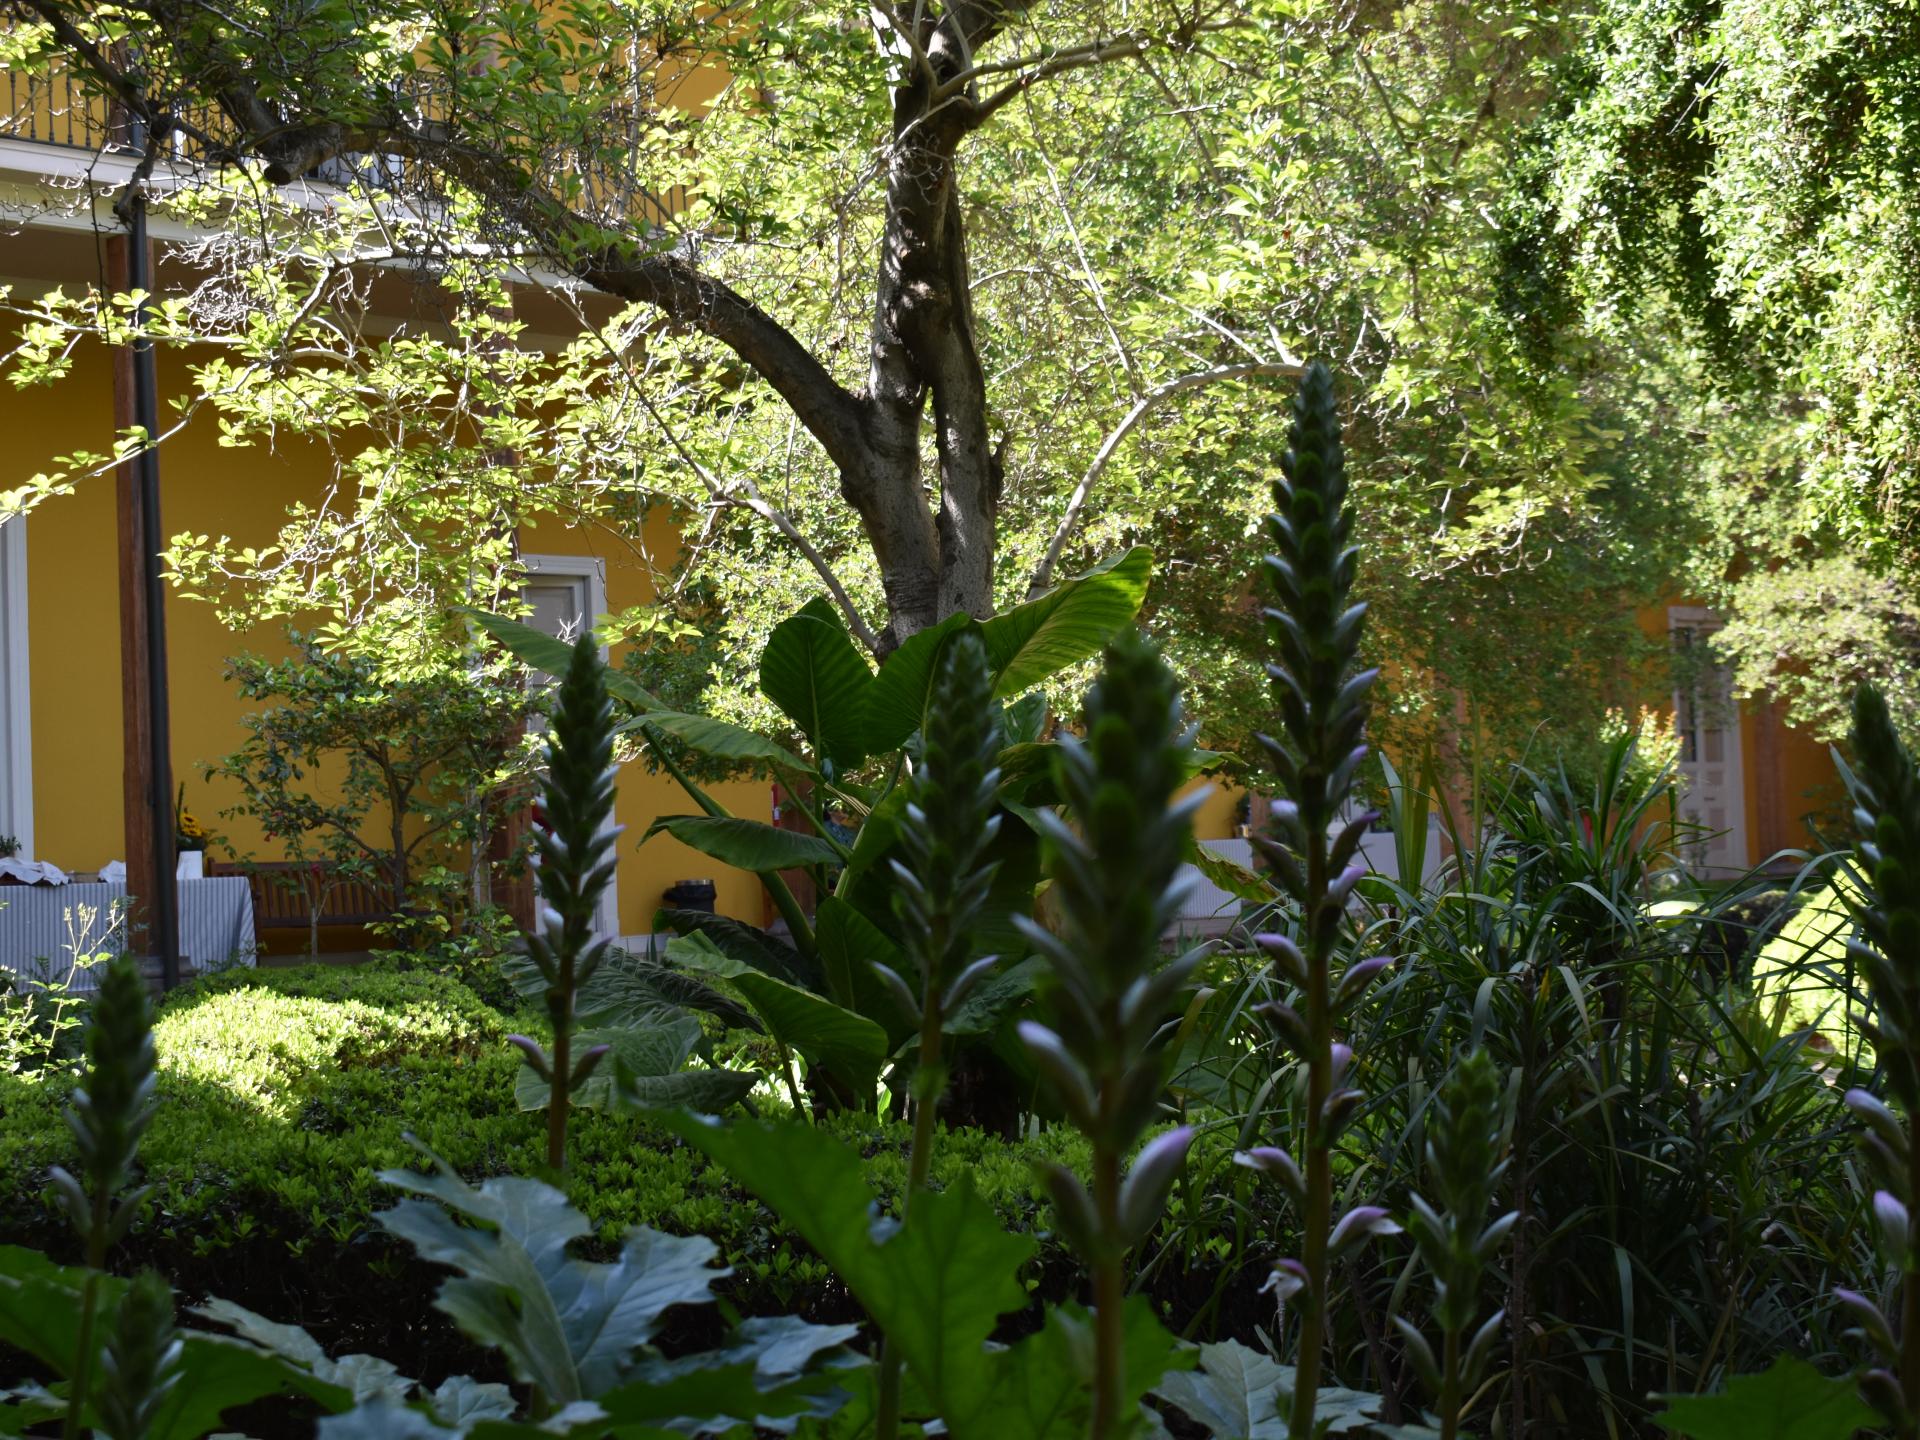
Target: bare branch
x: 1144, y: 406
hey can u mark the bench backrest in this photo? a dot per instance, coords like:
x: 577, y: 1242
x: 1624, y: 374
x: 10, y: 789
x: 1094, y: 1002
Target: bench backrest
x: 285, y: 891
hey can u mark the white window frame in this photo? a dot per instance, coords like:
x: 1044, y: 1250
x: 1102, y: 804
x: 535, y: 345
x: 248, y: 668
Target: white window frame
x: 594, y: 571
x: 16, y: 733
x: 591, y: 567
x: 1702, y: 622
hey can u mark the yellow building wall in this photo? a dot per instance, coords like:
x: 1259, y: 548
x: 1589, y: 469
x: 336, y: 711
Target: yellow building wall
x: 648, y: 868
x: 74, y: 644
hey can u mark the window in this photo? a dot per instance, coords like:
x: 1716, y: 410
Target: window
x: 568, y: 593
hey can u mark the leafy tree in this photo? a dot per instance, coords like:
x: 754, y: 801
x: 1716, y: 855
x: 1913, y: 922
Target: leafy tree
x: 925, y: 308
x: 399, y: 783
x: 1740, y: 178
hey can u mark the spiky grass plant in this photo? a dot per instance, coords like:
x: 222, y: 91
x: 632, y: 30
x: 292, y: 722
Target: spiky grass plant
x: 1886, y: 797
x: 108, y: 1113
x: 1454, y: 1238
x: 140, y: 1365
x: 1115, y: 864
x: 575, y: 846
x: 1314, y: 629
x: 939, y: 894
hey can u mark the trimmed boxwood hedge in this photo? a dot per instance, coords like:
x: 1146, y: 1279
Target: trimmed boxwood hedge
x: 286, y: 1092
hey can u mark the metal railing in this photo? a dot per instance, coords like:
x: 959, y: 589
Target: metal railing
x: 51, y: 107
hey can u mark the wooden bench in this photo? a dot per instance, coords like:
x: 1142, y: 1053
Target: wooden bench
x: 283, y: 895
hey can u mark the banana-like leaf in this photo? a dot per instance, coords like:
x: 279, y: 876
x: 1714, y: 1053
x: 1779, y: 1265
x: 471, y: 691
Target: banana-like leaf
x: 996, y: 997
x: 812, y: 670
x: 541, y: 651
x: 1230, y: 875
x: 706, y: 1091
x: 570, y: 1326
x: 751, y: 947
x: 850, y: 1045
x: 896, y: 703
x: 745, y: 844
x: 850, y: 946
x: 1070, y: 623
x: 718, y: 740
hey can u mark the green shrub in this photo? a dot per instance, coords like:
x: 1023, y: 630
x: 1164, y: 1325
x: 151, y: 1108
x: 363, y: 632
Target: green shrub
x: 286, y: 1092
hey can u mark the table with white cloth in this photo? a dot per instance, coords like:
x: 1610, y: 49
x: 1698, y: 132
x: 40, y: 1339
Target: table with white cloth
x: 43, y: 928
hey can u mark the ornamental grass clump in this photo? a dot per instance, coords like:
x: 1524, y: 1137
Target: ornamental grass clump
x: 1886, y: 797
x: 1314, y: 629
x: 1116, y: 857
x: 575, y: 847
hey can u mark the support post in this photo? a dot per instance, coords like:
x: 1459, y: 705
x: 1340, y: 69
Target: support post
x: 147, y: 786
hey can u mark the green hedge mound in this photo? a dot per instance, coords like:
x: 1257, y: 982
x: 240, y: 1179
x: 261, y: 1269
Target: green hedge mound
x: 286, y: 1092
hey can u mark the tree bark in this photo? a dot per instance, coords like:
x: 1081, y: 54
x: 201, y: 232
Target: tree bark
x: 933, y: 534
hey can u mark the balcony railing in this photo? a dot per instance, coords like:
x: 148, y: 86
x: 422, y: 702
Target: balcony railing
x: 52, y: 107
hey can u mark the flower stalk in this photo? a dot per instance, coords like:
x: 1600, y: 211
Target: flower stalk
x: 574, y: 842
x: 1454, y: 1238
x: 1314, y: 631
x: 1115, y: 860
x: 109, y: 1112
x: 940, y: 892
x: 140, y: 1365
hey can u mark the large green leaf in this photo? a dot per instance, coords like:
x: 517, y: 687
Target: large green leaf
x: 541, y: 651
x: 752, y: 947
x: 745, y: 844
x: 1240, y: 1394
x: 866, y: 874
x: 1042, y: 1388
x: 1230, y: 875
x: 936, y: 1285
x: 814, y: 673
x: 629, y: 989
x: 363, y: 1377
x: 850, y: 946
x: 717, y: 739
x: 569, y: 1326
x: 1789, y: 1400
x: 851, y: 1046
x: 1070, y: 623
x: 657, y: 1049
x: 773, y: 1368
x: 707, y: 1091
x: 982, y: 1011
x: 897, y: 701
x: 40, y: 1307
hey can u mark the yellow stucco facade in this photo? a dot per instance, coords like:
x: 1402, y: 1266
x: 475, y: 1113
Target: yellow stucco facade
x: 73, y: 647
x: 73, y: 640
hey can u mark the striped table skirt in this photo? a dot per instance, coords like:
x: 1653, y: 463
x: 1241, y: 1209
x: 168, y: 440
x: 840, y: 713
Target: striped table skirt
x: 53, y: 933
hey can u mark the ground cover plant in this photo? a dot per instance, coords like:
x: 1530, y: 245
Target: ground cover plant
x: 1511, y: 1153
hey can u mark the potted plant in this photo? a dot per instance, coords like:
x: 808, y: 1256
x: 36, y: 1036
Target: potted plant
x: 189, y: 840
